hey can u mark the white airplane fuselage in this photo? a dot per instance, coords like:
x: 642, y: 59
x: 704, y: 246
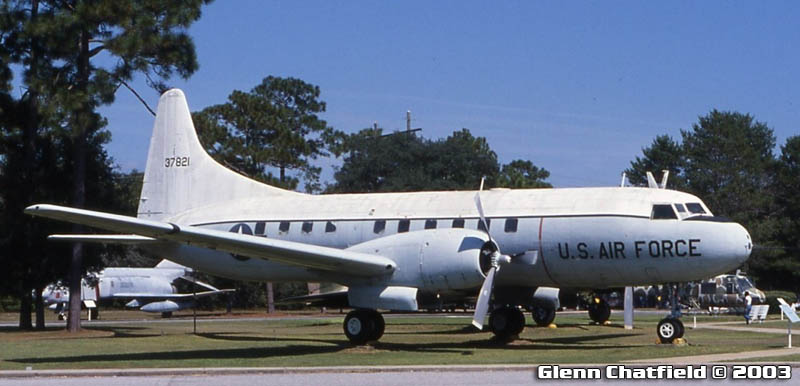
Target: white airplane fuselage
x: 583, y: 237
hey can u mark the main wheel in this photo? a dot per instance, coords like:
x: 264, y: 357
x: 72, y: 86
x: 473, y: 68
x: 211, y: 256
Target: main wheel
x: 669, y: 329
x: 380, y: 325
x: 599, y: 311
x: 361, y: 326
x: 543, y: 316
x: 506, y: 322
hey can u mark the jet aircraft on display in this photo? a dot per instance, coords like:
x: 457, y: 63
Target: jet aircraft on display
x: 149, y: 289
x: 393, y: 250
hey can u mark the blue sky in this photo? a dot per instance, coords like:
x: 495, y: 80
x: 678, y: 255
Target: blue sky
x: 576, y: 87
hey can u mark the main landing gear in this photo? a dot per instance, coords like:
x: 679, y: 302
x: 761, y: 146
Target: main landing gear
x: 363, y: 325
x: 599, y: 310
x: 506, y: 322
x: 543, y: 316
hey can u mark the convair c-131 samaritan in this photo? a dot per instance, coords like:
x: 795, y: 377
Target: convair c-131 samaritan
x: 393, y: 249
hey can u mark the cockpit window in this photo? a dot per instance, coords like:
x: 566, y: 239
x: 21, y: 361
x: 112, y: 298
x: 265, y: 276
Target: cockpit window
x: 695, y: 208
x: 744, y: 284
x: 680, y: 208
x: 663, y: 212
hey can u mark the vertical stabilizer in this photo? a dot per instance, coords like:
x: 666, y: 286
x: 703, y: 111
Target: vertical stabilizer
x: 180, y: 175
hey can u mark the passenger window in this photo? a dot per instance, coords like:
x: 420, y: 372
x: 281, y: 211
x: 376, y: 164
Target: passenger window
x: 380, y: 226
x: 663, y: 212
x: 261, y: 228
x: 330, y: 227
x: 430, y: 224
x: 680, y: 208
x: 403, y: 226
x: 283, y: 227
x: 308, y: 226
x: 458, y: 223
x: 695, y: 208
x: 511, y: 225
x: 488, y: 225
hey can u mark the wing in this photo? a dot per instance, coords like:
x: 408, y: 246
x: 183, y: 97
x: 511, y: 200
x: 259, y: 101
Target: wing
x: 286, y: 252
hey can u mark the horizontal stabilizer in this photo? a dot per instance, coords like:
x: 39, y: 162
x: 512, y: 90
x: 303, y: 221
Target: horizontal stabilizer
x: 104, y: 239
x: 141, y: 295
x: 329, y: 299
x: 287, y: 252
x: 200, y: 283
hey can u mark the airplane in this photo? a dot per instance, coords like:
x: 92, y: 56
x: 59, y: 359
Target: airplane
x: 392, y: 249
x: 150, y: 289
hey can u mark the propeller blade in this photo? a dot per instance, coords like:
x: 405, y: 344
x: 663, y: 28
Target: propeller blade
x: 480, y: 213
x: 482, y: 306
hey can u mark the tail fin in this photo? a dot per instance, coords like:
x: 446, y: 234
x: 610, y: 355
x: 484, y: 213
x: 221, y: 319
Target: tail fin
x: 180, y: 175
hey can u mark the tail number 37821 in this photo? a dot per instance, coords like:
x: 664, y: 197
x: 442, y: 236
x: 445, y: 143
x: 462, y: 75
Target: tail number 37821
x: 176, y: 162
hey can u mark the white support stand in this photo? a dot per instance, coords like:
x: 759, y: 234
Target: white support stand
x: 791, y: 315
x: 629, y: 308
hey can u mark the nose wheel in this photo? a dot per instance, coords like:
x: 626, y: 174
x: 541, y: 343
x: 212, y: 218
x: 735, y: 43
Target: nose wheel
x: 669, y: 329
x: 363, y: 325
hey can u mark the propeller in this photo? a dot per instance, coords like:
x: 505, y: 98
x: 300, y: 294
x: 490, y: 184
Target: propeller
x: 490, y: 251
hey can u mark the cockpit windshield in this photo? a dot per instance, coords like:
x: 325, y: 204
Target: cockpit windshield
x: 744, y: 283
x: 663, y: 212
x: 695, y: 208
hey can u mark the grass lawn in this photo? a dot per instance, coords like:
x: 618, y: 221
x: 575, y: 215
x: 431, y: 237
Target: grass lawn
x: 319, y: 341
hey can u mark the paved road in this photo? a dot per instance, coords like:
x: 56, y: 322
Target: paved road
x: 416, y: 376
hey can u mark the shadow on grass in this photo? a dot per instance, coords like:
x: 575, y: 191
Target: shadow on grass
x: 127, y: 332
x: 305, y: 346
x: 233, y: 353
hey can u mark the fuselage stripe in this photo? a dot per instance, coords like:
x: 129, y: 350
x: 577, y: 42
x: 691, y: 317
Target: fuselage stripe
x: 541, y: 252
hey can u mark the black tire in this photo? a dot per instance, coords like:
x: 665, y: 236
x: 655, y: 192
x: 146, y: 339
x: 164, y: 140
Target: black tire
x: 681, y: 328
x: 599, y: 311
x: 380, y: 326
x: 359, y: 326
x: 668, y: 330
x: 166, y: 315
x: 543, y: 316
x: 506, y: 322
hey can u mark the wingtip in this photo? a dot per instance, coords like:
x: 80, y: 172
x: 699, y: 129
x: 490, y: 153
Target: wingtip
x: 32, y: 209
x: 477, y: 325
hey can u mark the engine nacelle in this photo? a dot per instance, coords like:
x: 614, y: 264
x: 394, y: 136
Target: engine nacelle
x: 435, y: 260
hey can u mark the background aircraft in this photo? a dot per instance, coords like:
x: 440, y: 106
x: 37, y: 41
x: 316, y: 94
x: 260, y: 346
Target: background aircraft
x: 392, y: 249
x: 149, y: 289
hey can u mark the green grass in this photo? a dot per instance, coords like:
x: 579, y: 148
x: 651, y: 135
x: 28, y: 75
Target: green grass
x: 321, y: 342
